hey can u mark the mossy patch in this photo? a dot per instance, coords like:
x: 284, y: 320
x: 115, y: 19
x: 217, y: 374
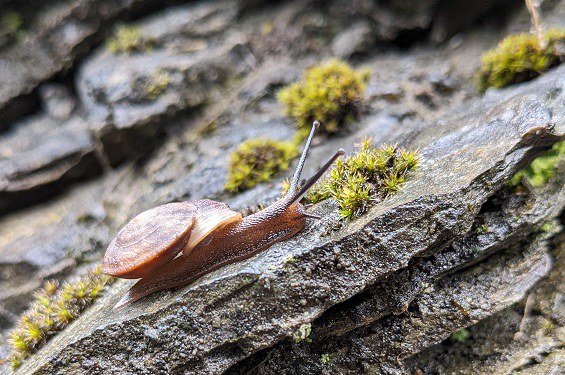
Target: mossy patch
x: 52, y: 309
x: 519, y: 58
x: 331, y: 93
x: 364, y: 178
x: 128, y: 39
x: 460, y: 336
x: 157, y: 84
x: 541, y: 169
x: 257, y: 160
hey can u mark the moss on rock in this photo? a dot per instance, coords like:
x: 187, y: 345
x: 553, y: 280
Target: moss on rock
x: 52, y: 309
x: 157, y: 84
x: 257, y: 160
x: 364, y: 178
x: 541, y: 169
x: 331, y: 93
x: 128, y: 39
x: 519, y: 58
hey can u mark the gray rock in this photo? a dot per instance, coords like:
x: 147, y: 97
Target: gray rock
x: 128, y: 96
x: 40, y: 155
x: 355, y: 39
x: 49, y: 242
x: 444, y: 307
x: 58, y: 35
x: 57, y: 100
x: 251, y: 305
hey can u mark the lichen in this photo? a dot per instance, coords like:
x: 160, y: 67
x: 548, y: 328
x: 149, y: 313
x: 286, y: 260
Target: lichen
x: 364, y: 178
x: 157, y: 84
x: 331, y: 93
x: 460, y: 336
x: 128, y: 39
x: 519, y: 58
x: 256, y: 161
x: 52, y: 309
x: 541, y: 170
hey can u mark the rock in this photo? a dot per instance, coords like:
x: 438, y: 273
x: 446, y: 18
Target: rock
x: 355, y: 39
x: 40, y: 155
x: 444, y: 307
x: 265, y: 299
x: 48, y: 46
x: 57, y: 100
x: 48, y: 243
x: 129, y: 95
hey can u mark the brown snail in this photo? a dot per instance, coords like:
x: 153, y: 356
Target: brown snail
x: 174, y: 244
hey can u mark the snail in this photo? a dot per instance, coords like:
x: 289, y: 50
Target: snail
x: 174, y: 244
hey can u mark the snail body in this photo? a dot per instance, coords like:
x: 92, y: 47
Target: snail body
x: 174, y: 244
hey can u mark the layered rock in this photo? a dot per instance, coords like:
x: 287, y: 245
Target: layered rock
x: 248, y: 306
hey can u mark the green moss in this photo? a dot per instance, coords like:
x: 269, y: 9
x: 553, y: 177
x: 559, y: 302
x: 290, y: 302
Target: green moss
x: 483, y: 229
x: 303, y: 333
x: 364, y: 178
x: 157, y: 84
x: 11, y: 22
x: 128, y: 39
x: 460, y: 336
x: 52, y: 309
x: 518, y: 58
x: 325, y: 359
x: 541, y: 169
x: 257, y: 160
x: 331, y: 93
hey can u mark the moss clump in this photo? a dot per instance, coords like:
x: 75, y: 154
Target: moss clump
x: 541, y: 169
x: 331, y: 93
x: 364, y: 178
x: 518, y: 58
x: 257, y: 160
x: 157, y: 84
x: 460, y: 336
x: 53, y: 308
x: 128, y: 39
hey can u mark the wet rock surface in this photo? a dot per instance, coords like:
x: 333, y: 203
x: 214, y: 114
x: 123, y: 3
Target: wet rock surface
x: 240, y: 309
x: 381, y: 294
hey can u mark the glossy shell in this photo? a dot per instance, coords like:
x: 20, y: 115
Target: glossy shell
x: 155, y: 237
x: 210, y: 215
x: 150, y: 240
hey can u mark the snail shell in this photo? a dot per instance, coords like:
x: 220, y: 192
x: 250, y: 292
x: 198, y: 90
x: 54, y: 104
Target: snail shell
x: 155, y: 237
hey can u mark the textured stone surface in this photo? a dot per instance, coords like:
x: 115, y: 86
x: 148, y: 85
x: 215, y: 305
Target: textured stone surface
x: 248, y: 306
x: 382, y: 293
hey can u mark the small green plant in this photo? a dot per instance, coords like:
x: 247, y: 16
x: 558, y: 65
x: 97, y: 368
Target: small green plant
x: 303, y: 333
x: 460, y: 336
x: 325, y: 359
x: 52, y: 309
x: 157, y: 84
x: 128, y: 39
x: 541, y: 169
x: 519, y: 58
x: 331, y: 93
x: 257, y: 160
x: 364, y: 178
